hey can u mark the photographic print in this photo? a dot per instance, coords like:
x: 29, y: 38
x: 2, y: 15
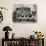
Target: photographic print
x: 25, y: 13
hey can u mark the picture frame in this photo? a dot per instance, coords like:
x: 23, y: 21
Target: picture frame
x: 25, y: 13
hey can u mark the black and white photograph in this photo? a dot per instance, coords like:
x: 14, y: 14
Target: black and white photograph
x: 25, y: 13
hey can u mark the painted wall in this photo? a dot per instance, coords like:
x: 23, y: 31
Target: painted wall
x: 23, y: 29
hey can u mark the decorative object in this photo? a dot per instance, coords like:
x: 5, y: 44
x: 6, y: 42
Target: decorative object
x: 39, y: 34
x: 7, y: 28
x: 25, y: 13
x: 1, y: 15
x: 13, y: 36
x: 32, y: 37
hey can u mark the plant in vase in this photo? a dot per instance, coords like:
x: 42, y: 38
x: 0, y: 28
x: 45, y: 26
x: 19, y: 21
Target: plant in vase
x: 39, y: 34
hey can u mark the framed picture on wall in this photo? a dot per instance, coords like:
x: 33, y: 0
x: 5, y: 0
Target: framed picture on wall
x: 25, y: 13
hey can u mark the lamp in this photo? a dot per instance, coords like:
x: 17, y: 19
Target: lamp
x: 7, y: 28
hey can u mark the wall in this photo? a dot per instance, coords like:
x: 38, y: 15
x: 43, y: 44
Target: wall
x: 23, y: 29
